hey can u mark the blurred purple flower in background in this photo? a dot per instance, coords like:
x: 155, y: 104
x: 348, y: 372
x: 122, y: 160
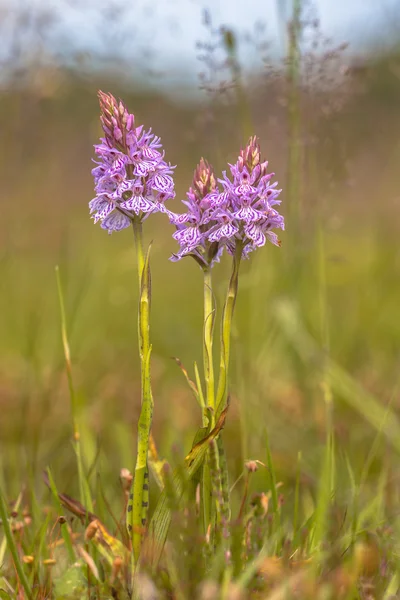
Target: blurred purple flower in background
x: 132, y: 179
x: 240, y: 210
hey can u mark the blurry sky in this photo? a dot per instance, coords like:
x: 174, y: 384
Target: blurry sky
x: 158, y: 37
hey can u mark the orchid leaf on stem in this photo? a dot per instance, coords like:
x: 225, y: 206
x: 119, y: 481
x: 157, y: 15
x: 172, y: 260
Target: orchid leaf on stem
x: 189, y: 381
x: 160, y: 522
x: 137, y: 507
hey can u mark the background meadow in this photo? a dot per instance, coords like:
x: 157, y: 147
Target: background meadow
x: 316, y: 345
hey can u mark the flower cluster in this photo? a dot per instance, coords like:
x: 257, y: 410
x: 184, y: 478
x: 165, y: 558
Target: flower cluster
x: 193, y: 226
x: 239, y: 211
x: 132, y: 179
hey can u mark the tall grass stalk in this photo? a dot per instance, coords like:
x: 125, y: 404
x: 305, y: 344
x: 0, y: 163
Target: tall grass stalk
x: 64, y: 526
x: 276, y: 523
x: 294, y: 120
x: 326, y: 481
x: 244, y: 109
x: 84, y: 490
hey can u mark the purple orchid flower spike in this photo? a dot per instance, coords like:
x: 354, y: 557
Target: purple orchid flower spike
x: 132, y: 179
x: 193, y: 227
x: 252, y: 196
x: 241, y: 212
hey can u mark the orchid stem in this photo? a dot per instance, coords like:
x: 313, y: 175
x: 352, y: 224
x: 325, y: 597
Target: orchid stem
x: 139, y: 497
x: 222, y: 393
x: 227, y: 315
x: 209, y: 475
x: 209, y: 314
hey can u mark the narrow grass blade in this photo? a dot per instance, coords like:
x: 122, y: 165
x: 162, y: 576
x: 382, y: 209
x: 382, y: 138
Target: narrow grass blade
x: 74, y: 506
x: 199, y: 387
x: 206, y: 495
x: 382, y: 418
x: 223, y: 465
x: 13, y: 548
x: 296, y: 517
x: 325, y: 491
x: 189, y: 381
x: 85, y: 496
x: 64, y: 528
x: 273, y: 486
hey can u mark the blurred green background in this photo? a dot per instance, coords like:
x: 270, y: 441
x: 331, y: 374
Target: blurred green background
x: 335, y: 278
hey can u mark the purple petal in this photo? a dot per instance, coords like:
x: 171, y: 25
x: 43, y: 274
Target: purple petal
x: 227, y: 230
x: 247, y: 214
x: 186, y: 234
x: 117, y: 133
x: 98, y: 203
x: 255, y: 233
x: 118, y: 165
x: 142, y: 168
x: 151, y: 154
x: 273, y: 238
x: 181, y: 254
x: 163, y: 183
x: 177, y: 219
x: 245, y: 189
x: 98, y: 172
x: 115, y: 222
x: 131, y: 138
x: 124, y: 186
x: 106, y: 209
x: 247, y: 249
x: 138, y: 204
x: 129, y: 122
x: 218, y: 255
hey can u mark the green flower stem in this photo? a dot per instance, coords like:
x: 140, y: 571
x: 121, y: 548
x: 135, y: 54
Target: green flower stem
x: 208, y: 339
x: 138, y: 501
x: 227, y: 315
x: 225, y: 504
x: 208, y: 474
x: 138, y: 236
x: 222, y: 395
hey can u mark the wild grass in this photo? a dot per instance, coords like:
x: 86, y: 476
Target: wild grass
x: 312, y: 434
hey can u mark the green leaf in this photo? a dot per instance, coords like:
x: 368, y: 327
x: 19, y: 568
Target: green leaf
x: 71, y: 584
x: 189, y: 381
x: 159, y: 524
x: 274, y: 489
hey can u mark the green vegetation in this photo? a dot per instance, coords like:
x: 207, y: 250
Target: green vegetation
x: 312, y: 434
